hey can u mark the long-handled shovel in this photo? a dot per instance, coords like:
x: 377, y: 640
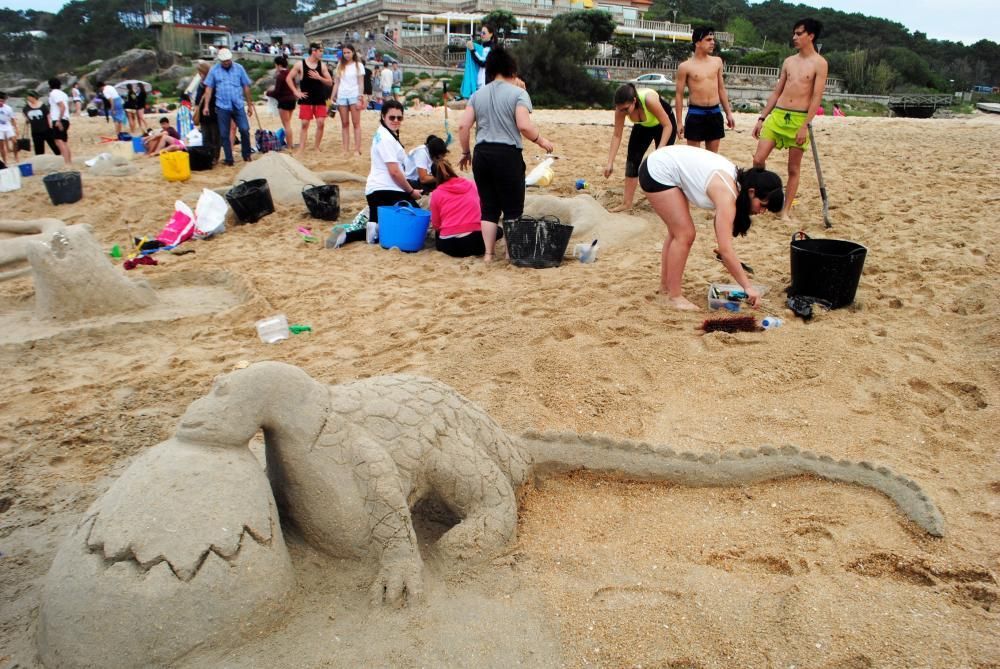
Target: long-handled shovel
x: 819, y: 177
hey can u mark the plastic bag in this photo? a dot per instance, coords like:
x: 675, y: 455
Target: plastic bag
x: 194, y: 138
x: 210, y: 214
x: 180, y: 228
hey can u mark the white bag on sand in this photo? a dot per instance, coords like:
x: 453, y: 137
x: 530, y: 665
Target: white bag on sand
x: 210, y: 214
x: 10, y: 178
x: 194, y: 138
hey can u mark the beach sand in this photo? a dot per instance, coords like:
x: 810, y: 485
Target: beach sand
x: 604, y: 572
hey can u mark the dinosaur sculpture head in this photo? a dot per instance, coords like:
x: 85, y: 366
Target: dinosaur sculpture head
x: 270, y: 395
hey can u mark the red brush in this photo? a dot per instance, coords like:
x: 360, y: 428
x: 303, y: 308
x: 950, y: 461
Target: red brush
x: 730, y: 324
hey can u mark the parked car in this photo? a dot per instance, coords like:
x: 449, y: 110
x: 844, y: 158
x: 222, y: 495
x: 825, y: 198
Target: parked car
x: 599, y: 73
x: 653, y: 79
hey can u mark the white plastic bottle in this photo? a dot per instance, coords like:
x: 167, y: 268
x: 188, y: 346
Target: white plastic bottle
x: 771, y: 322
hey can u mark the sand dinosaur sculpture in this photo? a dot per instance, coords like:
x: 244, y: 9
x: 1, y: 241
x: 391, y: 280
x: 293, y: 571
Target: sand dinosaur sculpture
x: 186, y: 548
x: 75, y: 279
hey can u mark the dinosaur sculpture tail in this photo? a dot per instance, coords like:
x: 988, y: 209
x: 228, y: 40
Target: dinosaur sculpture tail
x: 561, y: 452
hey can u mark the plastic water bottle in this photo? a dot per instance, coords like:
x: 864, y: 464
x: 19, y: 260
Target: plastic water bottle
x: 371, y: 232
x: 587, y: 253
x: 581, y: 184
x: 274, y: 329
x: 771, y: 322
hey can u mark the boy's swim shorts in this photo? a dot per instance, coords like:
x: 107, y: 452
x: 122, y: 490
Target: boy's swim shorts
x: 780, y: 127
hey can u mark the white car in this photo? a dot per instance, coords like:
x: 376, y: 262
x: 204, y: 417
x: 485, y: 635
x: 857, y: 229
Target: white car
x: 653, y: 79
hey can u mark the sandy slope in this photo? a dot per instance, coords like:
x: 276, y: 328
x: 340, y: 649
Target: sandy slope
x: 608, y: 573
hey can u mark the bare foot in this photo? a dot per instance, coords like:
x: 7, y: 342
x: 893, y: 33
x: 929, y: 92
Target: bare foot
x: 786, y: 217
x: 620, y: 208
x: 680, y: 302
x: 488, y: 258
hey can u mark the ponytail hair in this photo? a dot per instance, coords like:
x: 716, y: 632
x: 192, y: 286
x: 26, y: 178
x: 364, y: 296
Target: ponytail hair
x: 626, y: 93
x: 442, y: 170
x: 767, y: 188
x: 436, y: 148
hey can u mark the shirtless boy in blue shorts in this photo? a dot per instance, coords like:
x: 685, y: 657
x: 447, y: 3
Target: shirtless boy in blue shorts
x: 784, y: 121
x: 707, y: 98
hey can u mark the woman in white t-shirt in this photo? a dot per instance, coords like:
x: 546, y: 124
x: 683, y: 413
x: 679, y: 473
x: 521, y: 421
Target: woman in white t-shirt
x: 349, y: 96
x: 387, y: 183
x: 674, y: 176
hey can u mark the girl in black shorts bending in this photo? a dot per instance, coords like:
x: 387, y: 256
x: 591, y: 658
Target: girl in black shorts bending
x: 653, y: 123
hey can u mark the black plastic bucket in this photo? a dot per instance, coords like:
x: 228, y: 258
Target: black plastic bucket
x: 323, y: 202
x: 829, y: 269
x: 537, y: 243
x: 251, y: 200
x: 64, y: 187
x: 201, y: 158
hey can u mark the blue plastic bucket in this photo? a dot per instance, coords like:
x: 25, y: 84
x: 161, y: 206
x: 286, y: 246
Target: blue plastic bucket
x: 26, y: 169
x: 137, y: 145
x: 404, y: 226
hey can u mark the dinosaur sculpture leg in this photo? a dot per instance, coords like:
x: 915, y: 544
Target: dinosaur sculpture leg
x: 393, y: 541
x: 475, y: 489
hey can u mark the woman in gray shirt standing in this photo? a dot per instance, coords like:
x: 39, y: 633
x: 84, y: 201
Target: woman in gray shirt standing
x: 501, y: 112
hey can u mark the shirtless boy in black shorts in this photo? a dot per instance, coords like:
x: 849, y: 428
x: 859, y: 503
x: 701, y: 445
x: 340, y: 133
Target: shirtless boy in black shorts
x: 702, y: 74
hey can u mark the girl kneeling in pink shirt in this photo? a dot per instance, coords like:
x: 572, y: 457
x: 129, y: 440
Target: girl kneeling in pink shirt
x: 455, y: 213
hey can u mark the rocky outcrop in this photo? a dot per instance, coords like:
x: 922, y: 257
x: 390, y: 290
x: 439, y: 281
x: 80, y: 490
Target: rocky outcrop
x: 133, y: 64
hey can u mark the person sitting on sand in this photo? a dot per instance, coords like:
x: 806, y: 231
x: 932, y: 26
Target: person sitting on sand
x: 653, y: 123
x: 672, y: 177
x: 420, y: 161
x: 455, y: 206
x: 386, y: 184
x: 784, y: 121
x: 163, y: 141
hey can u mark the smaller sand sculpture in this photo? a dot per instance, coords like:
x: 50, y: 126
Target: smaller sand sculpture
x: 589, y: 219
x: 186, y: 551
x: 286, y: 177
x: 74, y: 279
x: 14, y: 250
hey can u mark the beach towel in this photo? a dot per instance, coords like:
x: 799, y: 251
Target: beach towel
x: 470, y: 78
x: 185, y: 122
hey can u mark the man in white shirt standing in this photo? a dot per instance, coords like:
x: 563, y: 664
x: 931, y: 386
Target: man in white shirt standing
x: 59, y: 116
x: 113, y: 99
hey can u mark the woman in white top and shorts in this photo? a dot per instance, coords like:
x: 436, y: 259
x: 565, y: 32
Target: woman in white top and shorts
x: 349, y: 96
x: 674, y: 176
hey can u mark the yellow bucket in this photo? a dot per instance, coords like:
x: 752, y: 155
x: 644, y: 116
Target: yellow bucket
x: 176, y: 165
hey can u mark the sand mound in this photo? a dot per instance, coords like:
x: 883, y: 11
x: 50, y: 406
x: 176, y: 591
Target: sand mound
x: 605, y: 572
x: 286, y: 177
x: 108, y: 165
x: 589, y: 219
x: 46, y: 164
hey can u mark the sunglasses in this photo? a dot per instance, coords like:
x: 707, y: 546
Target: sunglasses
x: 393, y: 117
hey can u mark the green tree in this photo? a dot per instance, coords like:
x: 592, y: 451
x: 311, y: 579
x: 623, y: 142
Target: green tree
x: 551, y: 64
x: 744, y: 32
x: 770, y: 58
x: 863, y: 74
x: 597, y: 26
x: 85, y: 30
x: 504, y: 21
x: 659, y: 50
x: 625, y: 46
